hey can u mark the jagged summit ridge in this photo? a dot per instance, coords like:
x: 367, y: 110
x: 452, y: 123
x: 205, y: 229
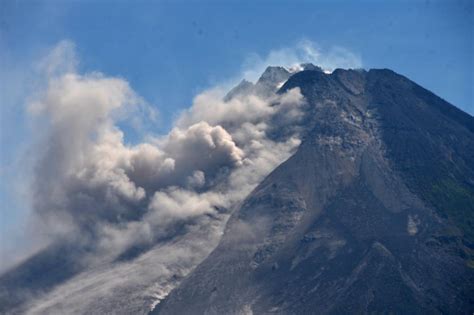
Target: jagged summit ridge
x: 270, y: 81
x: 274, y: 77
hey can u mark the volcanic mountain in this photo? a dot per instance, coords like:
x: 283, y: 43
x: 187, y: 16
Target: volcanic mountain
x: 371, y: 210
x: 374, y: 213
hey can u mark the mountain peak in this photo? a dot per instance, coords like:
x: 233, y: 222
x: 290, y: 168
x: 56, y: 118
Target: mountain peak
x: 274, y: 74
x: 311, y: 67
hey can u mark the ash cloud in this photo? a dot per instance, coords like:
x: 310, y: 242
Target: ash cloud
x: 93, y: 190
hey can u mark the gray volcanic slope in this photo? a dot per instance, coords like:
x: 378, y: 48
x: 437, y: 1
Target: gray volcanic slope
x: 374, y: 212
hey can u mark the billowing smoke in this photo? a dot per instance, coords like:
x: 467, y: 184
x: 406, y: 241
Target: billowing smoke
x: 160, y: 203
x: 93, y: 189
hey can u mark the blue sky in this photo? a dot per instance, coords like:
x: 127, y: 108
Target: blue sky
x: 170, y: 50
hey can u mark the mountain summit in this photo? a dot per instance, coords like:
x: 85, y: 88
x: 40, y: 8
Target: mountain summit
x: 374, y: 213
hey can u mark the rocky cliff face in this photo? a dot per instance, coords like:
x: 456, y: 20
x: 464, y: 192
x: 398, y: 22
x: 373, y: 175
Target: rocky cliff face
x: 373, y: 213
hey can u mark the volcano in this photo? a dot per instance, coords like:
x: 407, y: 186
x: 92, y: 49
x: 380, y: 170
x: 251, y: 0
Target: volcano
x: 370, y: 209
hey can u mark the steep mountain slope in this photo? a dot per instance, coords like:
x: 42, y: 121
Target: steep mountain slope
x: 373, y: 213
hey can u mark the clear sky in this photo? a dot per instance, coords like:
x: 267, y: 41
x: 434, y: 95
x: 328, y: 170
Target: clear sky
x: 170, y: 50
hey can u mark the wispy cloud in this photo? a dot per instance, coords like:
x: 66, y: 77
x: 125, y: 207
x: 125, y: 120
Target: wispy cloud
x: 305, y: 51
